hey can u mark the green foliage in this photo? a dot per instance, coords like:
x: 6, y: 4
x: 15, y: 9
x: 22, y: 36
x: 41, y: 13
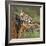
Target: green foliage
x: 33, y: 34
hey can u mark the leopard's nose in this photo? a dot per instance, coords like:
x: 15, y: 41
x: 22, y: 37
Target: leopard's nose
x: 30, y: 22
